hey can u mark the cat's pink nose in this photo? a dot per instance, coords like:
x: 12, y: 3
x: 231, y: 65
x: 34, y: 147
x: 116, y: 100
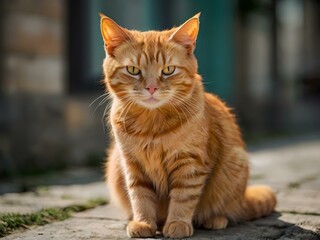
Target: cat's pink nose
x: 151, y: 89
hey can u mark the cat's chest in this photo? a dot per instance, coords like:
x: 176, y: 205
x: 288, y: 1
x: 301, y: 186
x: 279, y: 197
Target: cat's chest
x: 155, y: 169
x: 155, y: 156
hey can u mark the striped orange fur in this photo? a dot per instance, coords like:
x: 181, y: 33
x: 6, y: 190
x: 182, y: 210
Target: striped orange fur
x: 177, y: 158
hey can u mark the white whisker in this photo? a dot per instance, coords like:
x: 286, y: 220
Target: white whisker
x: 105, y: 94
x: 125, y: 116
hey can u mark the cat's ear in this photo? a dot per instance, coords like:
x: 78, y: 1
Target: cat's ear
x: 187, y: 33
x: 113, y: 35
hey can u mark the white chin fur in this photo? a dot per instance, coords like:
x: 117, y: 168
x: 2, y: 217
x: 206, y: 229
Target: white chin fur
x: 151, y: 105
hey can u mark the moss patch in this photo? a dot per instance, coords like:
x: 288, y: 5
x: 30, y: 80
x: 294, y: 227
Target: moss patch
x: 13, y: 221
x: 302, y: 181
x: 256, y: 177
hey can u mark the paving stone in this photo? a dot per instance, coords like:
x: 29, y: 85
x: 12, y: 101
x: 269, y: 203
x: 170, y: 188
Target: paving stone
x: 309, y: 222
x: 282, y: 167
x: 76, y: 228
x: 55, y: 196
x: 82, y: 191
x: 31, y: 202
x: 109, y: 211
x: 304, y: 201
x: 274, y: 227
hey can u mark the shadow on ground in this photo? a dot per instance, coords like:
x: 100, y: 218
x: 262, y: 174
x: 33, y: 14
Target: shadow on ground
x: 271, y: 227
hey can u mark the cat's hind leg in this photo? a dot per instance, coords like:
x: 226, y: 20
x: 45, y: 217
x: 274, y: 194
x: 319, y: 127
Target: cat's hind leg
x: 116, y: 182
x: 216, y: 222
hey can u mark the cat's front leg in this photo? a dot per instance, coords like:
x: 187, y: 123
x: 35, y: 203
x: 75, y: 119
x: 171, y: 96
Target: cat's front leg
x: 187, y: 182
x: 143, y: 201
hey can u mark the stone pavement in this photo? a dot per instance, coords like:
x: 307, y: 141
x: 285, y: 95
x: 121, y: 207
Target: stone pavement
x: 292, y: 170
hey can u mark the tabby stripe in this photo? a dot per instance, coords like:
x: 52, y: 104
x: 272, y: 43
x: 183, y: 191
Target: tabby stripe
x: 199, y: 174
x: 157, y: 56
x: 151, y: 54
x: 144, y: 196
x: 183, y: 173
x: 136, y: 168
x: 189, y: 198
x: 182, y: 162
x: 184, y: 87
x: 163, y: 58
x: 146, y: 56
x: 142, y: 184
x: 115, y: 70
x: 142, y: 192
x: 139, y: 59
x: 188, y: 159
x: 189, y: 181
x: 182, y: 186
x: 187, y: 71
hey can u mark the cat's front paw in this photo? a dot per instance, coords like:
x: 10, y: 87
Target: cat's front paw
x: 177, y: 229
x: 141, y: 229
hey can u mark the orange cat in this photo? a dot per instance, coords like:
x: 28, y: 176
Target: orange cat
x: 177, y: 158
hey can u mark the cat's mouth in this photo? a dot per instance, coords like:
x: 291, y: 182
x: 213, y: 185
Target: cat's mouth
x: 151, y: 99
x: 151, y: 102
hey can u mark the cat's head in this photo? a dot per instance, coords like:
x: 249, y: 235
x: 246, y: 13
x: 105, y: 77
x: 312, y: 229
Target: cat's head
x: 153, y: 68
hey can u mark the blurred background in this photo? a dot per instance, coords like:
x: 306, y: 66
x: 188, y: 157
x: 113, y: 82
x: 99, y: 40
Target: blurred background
x: 261, y: 56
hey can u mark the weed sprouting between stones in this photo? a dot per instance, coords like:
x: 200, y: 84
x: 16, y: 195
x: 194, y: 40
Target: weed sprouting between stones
x: 13, y: 221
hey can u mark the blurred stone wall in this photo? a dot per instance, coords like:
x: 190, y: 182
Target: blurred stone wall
x: 33, y: 38
x: 42, y: 126
x: 33, y: 91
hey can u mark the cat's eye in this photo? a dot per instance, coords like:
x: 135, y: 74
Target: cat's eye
x: 133, y: 70
x: 168, y: 70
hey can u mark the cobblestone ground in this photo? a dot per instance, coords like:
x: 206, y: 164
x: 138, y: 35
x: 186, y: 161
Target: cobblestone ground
x: 292, y: 170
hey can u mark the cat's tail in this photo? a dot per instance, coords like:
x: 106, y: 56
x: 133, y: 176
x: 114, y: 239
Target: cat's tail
x: 259, y: 201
